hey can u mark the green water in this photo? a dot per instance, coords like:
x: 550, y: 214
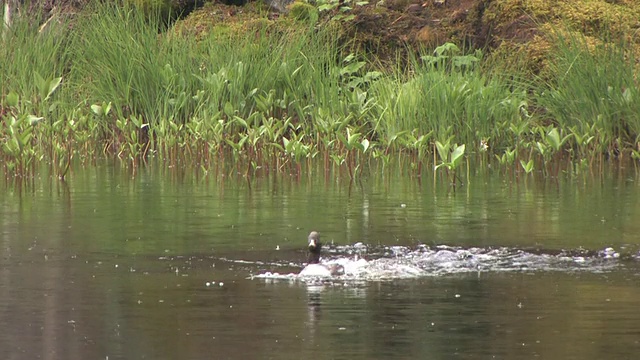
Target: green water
x: 111, y: 265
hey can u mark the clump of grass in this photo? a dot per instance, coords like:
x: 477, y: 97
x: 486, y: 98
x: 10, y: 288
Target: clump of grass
x: 27, y: 55
x: 34, y: 64
x: 449, y: 95
x: 120, y: 58
x: 593, y: 93
x: 303, y: 12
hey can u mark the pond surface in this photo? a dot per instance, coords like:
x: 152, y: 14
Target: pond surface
x: 167, y: 265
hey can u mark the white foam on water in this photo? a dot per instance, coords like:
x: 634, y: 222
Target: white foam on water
x: 397, y: 262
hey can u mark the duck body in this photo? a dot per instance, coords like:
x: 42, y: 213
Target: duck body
x: 314, y: 268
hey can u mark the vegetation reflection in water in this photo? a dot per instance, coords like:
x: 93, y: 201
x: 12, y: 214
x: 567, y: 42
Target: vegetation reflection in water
x: 383, y: 208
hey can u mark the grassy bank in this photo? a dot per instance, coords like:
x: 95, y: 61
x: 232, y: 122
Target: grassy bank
x: 281, y: 93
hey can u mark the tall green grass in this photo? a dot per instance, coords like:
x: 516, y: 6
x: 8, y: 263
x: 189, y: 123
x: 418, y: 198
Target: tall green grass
x: 449, y: 95
x: 593, y: 91
x: 119, y: 58
x: 28, y: 55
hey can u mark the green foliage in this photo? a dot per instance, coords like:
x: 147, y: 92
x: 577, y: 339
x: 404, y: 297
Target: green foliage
x: 450, y: 160
x: 278, y: 99
x: 303, y: 12
x: 138, y: 78
x: 339, y: 10
x: 593, y: 92
x: 444, y: 97
x: 451, y: 156
x: 154, y: 9
x: 449, y: 57
x: 32, y: 64
x: 527, y: 166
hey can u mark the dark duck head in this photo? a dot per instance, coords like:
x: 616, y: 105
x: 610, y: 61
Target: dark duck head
x: 314, y: 248
x: 314, y: 268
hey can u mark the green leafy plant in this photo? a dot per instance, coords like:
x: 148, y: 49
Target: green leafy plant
x: 449, y: 57
x: 451, y: 156
x: 340, y: 9
x: 527, y: 166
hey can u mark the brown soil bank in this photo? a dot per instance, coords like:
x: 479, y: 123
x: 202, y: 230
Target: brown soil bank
x: 383, y: 27
x: 507, y: 27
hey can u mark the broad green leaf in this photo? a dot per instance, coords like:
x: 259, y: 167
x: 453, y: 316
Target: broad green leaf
x: 372, y: 75
x: 352, y: 138
x: 40, y: 84
x: 277, y: 146
x: 228, y: 109
x: 447, y: 48
x: 352, y: 68
x: 34, y: 119
x: 553, y: 139
x: 97, y: 109
x: 136, y: 121
x: 342, y: 139
x: 348, y: 58
x: 365, y: 145
x: 242, y: 141
x: 627, y: 96
x: 13, y: 99
x: 11, y: 147
x: 231, y: 143
x: 52, y: 86
x: 510, y: 155
x: 443, y: 150
x: 430, y: 60
x: 441, y: 165
x: 528, y: 166
x: 456, y: 155
x: 240, y: 121
x: 252, y: 93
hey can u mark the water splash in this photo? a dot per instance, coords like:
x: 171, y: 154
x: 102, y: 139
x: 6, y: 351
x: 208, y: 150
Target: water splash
x: 398, y: 262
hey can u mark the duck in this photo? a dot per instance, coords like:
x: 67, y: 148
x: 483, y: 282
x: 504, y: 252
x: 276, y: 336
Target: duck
x: 314, y: 268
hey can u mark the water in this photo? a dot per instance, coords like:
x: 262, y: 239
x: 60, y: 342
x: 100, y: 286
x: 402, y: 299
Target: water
x: 167, y: 265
